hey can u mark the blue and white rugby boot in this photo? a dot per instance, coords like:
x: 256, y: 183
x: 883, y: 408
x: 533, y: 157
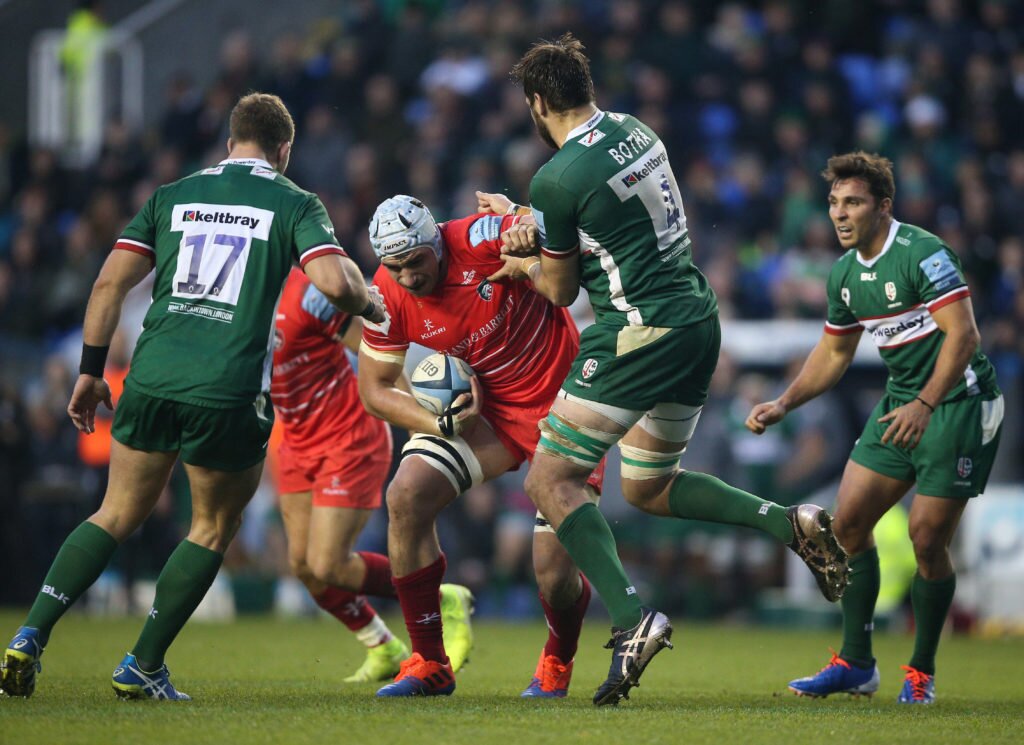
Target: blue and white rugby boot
x: 21, y: 663
x: 918, y: 687
x: 632, y: 650
x: 838, y: 676
x: 132, y: 682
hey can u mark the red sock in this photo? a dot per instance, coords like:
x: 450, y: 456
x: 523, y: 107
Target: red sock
x: 378, y: 576
x: 564, y: 625
x: 419, y: 595
x: 349, y: 608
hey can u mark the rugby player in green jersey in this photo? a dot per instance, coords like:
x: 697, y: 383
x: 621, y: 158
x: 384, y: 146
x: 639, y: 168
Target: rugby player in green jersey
x: 609, y: 217
x: 937, y: 425
x: 222, y: 242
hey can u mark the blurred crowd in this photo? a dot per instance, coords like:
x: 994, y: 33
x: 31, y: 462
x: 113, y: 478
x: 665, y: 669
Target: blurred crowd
x: 413, y: 97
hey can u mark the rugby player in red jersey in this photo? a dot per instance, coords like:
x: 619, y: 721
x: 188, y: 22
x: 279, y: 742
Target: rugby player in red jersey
x: 433, y: 282
x: 334, y: 461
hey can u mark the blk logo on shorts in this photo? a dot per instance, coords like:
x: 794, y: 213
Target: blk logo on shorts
x: 964, y: 466
x: 589, y: 368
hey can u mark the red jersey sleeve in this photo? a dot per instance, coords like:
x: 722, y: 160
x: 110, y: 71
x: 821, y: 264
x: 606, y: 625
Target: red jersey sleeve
x: 321, y: 314
x: 388, y: 335
x: 481, y: 234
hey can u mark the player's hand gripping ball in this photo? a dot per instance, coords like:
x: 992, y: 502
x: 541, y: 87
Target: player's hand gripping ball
x: 438, y: 380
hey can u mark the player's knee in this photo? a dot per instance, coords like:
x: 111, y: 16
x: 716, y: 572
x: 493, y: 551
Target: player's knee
x: 643, y: 494
x: 407, y: 504
x: 300, y: 567
x: 332, y: 568
x: 852, y: 533
x: 214, y: 532
x: 929, y: 544
x: 559, y: 585
x: 539, y: 487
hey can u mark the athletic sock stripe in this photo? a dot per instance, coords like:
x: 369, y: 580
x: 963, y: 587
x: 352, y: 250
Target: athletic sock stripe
x: 460, y: 475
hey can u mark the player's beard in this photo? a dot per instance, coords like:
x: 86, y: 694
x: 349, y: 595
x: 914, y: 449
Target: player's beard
x: 543, y: 132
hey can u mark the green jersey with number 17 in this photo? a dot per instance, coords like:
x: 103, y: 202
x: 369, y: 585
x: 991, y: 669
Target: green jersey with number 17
x: 222, y: 241
x: 893, y: 296
x: 610, y: 194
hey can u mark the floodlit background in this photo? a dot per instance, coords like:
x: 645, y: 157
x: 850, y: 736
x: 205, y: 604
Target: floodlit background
x: 104, y: 101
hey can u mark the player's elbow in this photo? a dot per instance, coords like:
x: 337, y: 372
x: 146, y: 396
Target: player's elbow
x: 972, y: 337
x: 368, y: 394
x: 564, y: 296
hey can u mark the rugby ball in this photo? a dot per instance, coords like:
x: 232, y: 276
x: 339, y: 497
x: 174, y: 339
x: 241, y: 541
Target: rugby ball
x: 438, y: 380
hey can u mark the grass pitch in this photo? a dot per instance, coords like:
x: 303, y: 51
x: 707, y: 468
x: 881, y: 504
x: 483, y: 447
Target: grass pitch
x: 262, y: 680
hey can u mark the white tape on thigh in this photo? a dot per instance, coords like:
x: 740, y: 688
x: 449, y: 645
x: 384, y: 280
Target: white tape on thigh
x: 639, y: 464
x: 671, y: 422
x: 626, y: 418
x: 452, y: 456
x: 541, y: 524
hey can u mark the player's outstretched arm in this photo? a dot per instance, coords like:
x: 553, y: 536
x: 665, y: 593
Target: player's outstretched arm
x: 340, y: 280
x: 825, y: 365
x: 498, y: 204
x: 120, y: 273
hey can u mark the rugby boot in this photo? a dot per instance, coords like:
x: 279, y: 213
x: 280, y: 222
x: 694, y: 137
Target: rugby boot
x: 632, y: 650
x: 815, y: 543
x: 838, y: 676
x: 918, y: 687
x: 131, y: 682
x: 382, y: 662
x: 457, y: 631
x: 20, y: 663
x: 551, y: 680
x: 420, y: 677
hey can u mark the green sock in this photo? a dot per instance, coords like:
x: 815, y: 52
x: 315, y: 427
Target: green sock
x: 859, y: 608
x: 931, y: 600
x: 700, y: 496
x: 182, y: 584
x: 80, y: 561
x: 589, y: 541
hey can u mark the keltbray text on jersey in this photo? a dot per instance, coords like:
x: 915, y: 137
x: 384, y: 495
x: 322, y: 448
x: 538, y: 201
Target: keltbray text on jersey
x: 216, y: 241
x: 652, y: 182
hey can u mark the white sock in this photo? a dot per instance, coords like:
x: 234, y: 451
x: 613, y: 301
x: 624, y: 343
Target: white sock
x: 374, y: 633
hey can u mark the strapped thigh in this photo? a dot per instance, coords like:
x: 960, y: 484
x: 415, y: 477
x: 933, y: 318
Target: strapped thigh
x: 452, y: 456
x: 668, y: 422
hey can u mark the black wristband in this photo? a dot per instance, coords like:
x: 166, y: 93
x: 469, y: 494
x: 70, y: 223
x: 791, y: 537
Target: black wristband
x: 94, y: 360
x: 932, y: 408
x: 369, y: 309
